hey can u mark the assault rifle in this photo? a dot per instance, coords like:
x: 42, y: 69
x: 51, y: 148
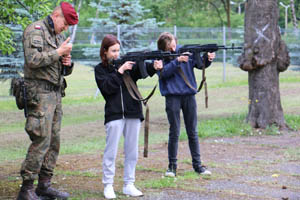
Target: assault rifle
x: 196, y: 49
x: 140, y: 56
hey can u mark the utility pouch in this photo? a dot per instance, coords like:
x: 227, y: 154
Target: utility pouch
x: 63, y: 87
x: 19, y: 92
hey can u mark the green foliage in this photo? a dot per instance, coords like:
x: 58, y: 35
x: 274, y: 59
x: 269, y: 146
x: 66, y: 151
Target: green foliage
x: 192, y: 13
x: 129, y: 14
x: 19, y: 12
x: 6, y: 41
x: 293, y: 121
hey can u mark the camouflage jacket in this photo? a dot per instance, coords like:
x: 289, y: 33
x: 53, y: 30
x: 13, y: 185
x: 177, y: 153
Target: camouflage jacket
x: 42, y: 61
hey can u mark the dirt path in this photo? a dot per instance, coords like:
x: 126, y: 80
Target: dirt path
x: 256, y: 167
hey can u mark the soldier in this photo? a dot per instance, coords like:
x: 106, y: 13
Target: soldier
x: 47, y: 61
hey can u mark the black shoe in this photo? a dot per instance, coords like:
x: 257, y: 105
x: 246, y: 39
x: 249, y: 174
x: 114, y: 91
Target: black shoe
x: 27, y: 194
x: 202, y: 170
x: 46, y: 192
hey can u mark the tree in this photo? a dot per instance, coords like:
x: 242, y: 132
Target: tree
x: 15, y: 15
x: 294, y: 19
x: 226, y: 4
x: 18, y: 12
x: 92, y: 40
x: 265, y: 56
x: 129, y: 15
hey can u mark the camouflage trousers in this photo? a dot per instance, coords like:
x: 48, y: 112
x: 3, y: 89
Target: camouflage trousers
x: 42, y: 125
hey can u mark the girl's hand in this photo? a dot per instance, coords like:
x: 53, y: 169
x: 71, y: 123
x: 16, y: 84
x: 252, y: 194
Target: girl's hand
x: 126, y: 66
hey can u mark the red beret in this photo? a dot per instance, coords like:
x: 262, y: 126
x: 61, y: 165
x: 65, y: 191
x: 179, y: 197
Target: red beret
x: 69, y: 13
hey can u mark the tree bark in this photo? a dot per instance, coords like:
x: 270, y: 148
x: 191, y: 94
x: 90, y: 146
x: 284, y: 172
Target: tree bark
x: 294, y: 19
x: 226, y: 4
x: 265, y: 56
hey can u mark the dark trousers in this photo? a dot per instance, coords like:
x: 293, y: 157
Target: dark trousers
x: 189, y: 108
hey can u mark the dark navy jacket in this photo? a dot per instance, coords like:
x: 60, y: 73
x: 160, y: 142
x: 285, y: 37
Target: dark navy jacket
x: 171, y: 82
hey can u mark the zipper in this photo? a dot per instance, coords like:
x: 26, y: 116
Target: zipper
x: 122, y: 104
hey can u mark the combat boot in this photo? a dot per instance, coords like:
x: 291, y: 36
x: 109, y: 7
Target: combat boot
x: 45, y: 191
x: 27, y: 191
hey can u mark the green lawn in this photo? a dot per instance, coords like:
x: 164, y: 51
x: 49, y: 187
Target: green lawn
x: 83, y: 130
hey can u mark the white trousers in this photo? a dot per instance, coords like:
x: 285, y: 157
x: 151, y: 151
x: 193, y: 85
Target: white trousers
x: 114, y: 129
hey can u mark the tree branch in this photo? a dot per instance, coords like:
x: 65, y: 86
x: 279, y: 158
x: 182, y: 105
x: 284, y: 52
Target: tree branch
x: 23, y: 5
x: 219, y: 14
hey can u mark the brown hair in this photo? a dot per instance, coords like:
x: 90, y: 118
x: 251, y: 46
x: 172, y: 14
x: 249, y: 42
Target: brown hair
x: 164, y: 40
x: 108, y: 41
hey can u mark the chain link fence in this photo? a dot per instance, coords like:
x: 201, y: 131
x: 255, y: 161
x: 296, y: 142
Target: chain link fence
x: 87, y: 43
x: 88, y: 40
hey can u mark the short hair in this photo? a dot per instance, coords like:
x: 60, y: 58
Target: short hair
x: 57, y: 9
x: 108, y: 41
x: 164, y: 40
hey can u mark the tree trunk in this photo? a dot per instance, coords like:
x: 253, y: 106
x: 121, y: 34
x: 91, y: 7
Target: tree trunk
x: 226, y: 4
x: 294, y: 19
x: 92, y: 41
x: 265, y: 56
x: 228, y: 14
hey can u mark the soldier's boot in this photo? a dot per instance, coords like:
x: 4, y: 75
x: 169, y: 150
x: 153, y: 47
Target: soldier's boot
x: 27, y: 191
x: 45, y: 191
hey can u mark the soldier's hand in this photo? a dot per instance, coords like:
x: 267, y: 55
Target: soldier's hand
x: 126, y: 66
x: 158, y: 65
x: 65, y: 48
x: 66, y: 60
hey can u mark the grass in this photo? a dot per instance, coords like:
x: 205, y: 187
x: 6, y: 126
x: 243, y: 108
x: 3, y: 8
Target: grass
x: 169, y: 182
x: 292, y: 154
x: 83, y: 145
x: 76, y: 173
x: 164, y: 182
x: 225, y: 116
x: 83, y: 133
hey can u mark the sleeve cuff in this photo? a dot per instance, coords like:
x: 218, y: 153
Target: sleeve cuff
x: 55, y: 55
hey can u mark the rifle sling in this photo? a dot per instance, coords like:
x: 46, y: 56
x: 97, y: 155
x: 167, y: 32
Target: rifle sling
x: 185, y: 78
x: 203, y: 82
x: 135, y: 94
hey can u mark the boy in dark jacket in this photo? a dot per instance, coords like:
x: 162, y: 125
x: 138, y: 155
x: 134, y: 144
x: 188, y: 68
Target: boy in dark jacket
x: 181, y: 96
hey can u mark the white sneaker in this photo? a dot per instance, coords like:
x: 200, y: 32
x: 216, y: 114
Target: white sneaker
x: 202, y: 170
x: 206, y: 172
x: 109, y: 192
x: 170, y: 173
x: 131, y: 190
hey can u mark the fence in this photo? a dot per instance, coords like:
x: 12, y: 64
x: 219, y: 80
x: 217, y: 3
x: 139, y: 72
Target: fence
x: 88, y: 40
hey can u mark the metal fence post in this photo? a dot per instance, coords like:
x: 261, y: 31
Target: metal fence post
x: 118, y: 32
x: 175, y: 30
x: 224, y: 54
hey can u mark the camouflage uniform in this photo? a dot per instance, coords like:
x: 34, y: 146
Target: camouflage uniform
x: 43, y: 72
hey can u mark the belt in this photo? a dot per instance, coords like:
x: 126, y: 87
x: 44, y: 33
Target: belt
x: 46, y: 85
